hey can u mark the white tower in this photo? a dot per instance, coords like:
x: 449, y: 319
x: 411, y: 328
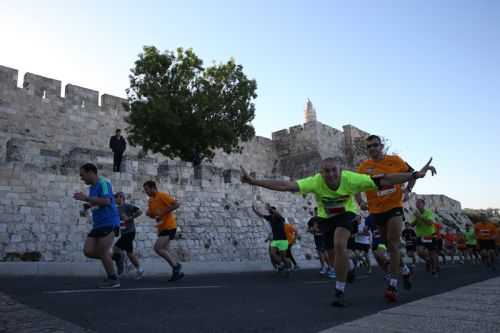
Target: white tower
x: 309, y: 111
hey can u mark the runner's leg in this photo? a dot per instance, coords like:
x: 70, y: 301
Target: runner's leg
x: 161, y: 249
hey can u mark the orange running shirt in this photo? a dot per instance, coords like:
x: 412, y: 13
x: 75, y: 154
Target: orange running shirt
x: 158, y: 202
x: 485, y: 231
x: 498, y: 236
x: 290, y: 232
x: 389, y: 197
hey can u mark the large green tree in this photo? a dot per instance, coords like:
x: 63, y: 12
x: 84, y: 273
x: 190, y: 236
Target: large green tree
x: 180, y: 108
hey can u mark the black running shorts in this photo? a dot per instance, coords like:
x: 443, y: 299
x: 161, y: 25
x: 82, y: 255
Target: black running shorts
x: 169, y: 233
x: 327, y: 226
x: 126, y: 242
x: 103, y: 232
x: 486, y: 244
x: 382, y: 218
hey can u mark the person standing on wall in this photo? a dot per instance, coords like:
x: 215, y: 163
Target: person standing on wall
x: 118, y: 145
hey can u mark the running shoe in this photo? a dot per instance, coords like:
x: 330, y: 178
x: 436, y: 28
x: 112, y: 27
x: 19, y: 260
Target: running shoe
x: 323, y: 270
x: 331, y: 274
x: 391, y: 294
x: 176, y: 276
x: 139, y: 274
x: 109, y: 284
x: 339, y: 301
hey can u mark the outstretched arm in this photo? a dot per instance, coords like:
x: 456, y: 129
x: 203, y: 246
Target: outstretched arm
x: 275, y: 185
x: 401, y: 178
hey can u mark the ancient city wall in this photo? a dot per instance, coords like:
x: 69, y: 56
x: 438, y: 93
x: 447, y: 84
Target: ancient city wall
x: 45, y: 137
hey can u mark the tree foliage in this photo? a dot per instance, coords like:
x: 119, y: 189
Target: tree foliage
x: 180, y: 108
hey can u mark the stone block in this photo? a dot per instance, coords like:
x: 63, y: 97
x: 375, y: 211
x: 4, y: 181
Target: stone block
x: 81, y: 97
x: 8, y: 77
x: 41, y: 86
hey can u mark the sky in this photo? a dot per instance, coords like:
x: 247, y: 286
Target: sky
x: 424, y: 74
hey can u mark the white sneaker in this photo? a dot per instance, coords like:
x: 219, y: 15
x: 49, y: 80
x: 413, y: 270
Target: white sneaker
x: 139, y: 274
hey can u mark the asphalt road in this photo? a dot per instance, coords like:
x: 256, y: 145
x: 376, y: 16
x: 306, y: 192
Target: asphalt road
x: 246, y: 302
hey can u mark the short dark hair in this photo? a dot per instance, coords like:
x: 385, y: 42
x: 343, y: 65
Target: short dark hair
x: 89, y: 167
x: 150, y: 184
x: 374, y: 137
x: 118, y: 130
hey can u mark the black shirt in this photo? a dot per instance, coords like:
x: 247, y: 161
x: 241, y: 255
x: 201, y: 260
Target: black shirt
x: 277, y: 223
x: 409, y: 236
x: 117, y: 145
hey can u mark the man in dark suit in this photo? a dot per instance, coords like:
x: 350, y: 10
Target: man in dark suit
x: 118, y: 145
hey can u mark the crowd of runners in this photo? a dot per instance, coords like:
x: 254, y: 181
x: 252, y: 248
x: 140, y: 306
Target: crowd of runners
x: 358, y: 215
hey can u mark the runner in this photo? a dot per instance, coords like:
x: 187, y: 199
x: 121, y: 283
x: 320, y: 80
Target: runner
x: 334, y: 190
x: 128, y: 213
x: 319, y: 242
x: 497, y: 239
x: 485, y: 234
x: 471, y: 241
x: 410, y: 238
x: 461, y: 246
x: 450, y: 239
x: 106, y: 222
x: 279, y: 243
x: 291, y: 236
x: 161, y: 207
x: 386, y: 206
x: 439, y: 242
x: 269, y: 239
x: 426, y: 240
x: 362, y: 246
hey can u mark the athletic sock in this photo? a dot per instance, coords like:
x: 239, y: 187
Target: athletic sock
x: 393, y: 282
x: 340, y: 286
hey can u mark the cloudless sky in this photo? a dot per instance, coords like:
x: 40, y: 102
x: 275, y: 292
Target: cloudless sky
x: 425, y: 74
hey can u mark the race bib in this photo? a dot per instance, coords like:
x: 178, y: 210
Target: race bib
x: 484, y: 233
x: 427, y: 239
x: 385, y: 191
x: 334, y: 207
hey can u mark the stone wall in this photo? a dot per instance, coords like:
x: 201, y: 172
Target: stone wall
x: 215, y: 218
x: 45, y: 137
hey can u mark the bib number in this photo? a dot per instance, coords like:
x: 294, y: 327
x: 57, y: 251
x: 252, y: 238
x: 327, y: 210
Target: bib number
x: 426, y: 239
x: 334, y: 207
x: 386, y: 191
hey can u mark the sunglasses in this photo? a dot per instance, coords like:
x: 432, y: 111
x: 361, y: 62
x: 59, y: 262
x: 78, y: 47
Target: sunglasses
x: 373, y: 145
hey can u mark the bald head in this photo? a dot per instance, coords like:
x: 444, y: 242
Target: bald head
x: 330, y: 171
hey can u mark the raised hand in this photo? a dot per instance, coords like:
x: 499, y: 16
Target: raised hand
x: 425, y: 169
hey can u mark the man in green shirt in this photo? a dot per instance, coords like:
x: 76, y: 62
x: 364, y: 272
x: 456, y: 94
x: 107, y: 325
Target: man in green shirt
x: 471, y: 243
x: 426, y: 240
x: 334, y: 191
